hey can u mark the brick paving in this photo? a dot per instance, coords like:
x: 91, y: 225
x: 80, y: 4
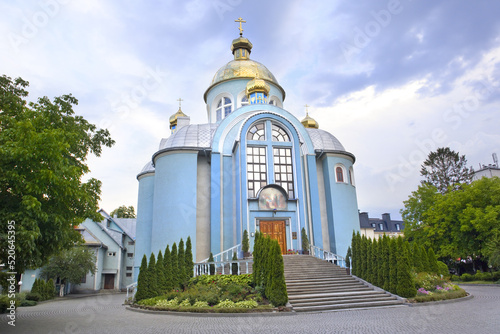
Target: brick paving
x: 105, y: 314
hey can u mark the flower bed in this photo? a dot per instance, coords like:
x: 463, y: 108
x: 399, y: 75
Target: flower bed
x: 433, y: 288
x: 212, y: 294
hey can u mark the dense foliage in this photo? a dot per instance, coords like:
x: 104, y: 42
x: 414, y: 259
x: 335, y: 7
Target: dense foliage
x: 446, y: 170
x: 43, y: 151
x: 71, y: 265
x: 458, y: 224
x: 123, y: 212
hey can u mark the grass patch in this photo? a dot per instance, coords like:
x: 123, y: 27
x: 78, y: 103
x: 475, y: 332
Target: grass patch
x: 439, y: 296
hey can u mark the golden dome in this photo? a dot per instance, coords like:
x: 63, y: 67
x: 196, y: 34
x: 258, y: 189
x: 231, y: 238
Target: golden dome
x: 242, y: 67
x: 257, y: 85
x: 179, y: 113
x: 309, y: 122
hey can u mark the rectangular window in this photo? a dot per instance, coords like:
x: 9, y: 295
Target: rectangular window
x: 130, y: 254
x: 128, y: 274
x: 84, y: 279
x: 397, y: 227
x: 256, y: 170
x: 283, y: 170
x: 129, y: 268
x: 381, y: 227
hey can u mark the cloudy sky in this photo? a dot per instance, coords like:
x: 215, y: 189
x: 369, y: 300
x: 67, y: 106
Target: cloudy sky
x: 391, y: 80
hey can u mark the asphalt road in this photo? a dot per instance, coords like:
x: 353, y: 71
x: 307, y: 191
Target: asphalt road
x: 106, y: 314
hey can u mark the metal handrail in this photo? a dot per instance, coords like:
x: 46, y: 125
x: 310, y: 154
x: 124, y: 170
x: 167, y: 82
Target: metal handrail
x: 203, y: 268
x: 225, y: 256
x: 131, y: 287
x: 328, y: 256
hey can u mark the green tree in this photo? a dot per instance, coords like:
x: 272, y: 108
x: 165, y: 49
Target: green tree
x: 71, y: 265
x: 142, y: 280
x: 305, y: 240
x: 417, y: 258
x: 375, y: 263
x: 189, y: 264
x: 160, y: 274
x: 234, y: 265
x: 385, y: 260
x: 492, y: 250
x: 245, y: 243
x: 348, y: 257
x: 152, y: 277
x: 167, y: 267
x: 277, y: 294
x: 426, y: 267
x: 446, y: 169
x: 369, y: 261
x: 175, y: 266
x: 50, y: 289
x: 181, y: 265
x: 123, y: 212
x: 212, y: 266
x: 405, y: 285
x: 393, y: 265
x: 257, y: 259
x: 43, y: 151
x: 457, y: 224
x: 433, y: 266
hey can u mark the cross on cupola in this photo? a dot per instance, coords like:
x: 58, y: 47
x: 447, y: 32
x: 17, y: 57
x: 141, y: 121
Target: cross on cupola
x: 240, y: 20
x: 179, y: 119
x: 180, y: 101
x: 308, y: 121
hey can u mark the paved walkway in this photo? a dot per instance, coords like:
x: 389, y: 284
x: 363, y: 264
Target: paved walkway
x: 105, y: 314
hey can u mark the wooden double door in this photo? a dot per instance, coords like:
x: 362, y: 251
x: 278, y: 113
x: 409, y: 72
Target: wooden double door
x: 275, y: 229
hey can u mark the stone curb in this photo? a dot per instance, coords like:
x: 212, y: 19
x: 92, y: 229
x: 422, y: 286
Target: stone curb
x: 446, y: 301
x: 215, y: 315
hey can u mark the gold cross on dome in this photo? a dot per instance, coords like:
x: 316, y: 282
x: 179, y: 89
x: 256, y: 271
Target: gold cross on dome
x: 307, y: 111
x: 180, y: 100
x: 240, y: 20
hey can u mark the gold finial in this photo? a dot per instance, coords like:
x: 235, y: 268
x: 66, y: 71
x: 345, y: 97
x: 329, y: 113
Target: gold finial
x: 307, y: 111
x: 180, y: 101
x: 240, y: 20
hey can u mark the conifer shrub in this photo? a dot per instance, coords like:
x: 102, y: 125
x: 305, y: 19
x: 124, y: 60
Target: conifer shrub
x: 405, y: 285
x: 167, y: 268
x: 305, y: 240
x: 393, y: 266
x: 50, y: 289
x: 385, y: 272
x: 353, y: 253
x: 375, y: 263
x: 369, y: 261
x: 142, y: 281
x: 234, y: 265
x: 181, y: 265
x: 433, y: 266
x: 257, y: 259
x: 175, y: 266
x: 212, y: 266
x: 425, y: 260
x: 277, y: 293
x: 188, y: 262
x: 348, y: 257
x: 443, y: 269
x: 363, y: 262
x: 152, y: 290
x: 160, y: 273
x: 245, y: 243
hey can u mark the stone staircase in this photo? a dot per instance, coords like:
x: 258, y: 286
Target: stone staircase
x: 317, y: 285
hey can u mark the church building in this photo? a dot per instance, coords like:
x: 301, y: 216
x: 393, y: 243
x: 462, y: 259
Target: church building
x: 253, y: 166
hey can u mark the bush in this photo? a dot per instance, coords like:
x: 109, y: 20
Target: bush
x: 245, y: 243
x: 33, y: 296
x: 305, y: 240
x: 441, y: 296
x: 480, y: 276
x: 495, y: 276
x: 443, y: 269
x: 226, y: 304
x: 467, y: 277
x: 27, y: 302
x: 428, y: 281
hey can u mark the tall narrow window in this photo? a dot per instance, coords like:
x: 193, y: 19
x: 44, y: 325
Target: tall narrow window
x: 244, y: 101
x: 256, y: 170
x: 283, y: 171
x: 340, y: 174
x: 224, y: 106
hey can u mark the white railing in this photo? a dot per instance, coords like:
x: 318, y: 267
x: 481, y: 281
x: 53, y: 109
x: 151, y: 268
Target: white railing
x: 328, y: 256
x: 132, y: 289
x: 226, y: 255
x: 222, y: 267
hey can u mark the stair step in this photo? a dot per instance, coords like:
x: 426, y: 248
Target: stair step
x: 346, y: 306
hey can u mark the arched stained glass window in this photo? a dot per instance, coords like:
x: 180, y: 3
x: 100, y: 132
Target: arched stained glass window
x: 257, y: 132
x: 279, y: 134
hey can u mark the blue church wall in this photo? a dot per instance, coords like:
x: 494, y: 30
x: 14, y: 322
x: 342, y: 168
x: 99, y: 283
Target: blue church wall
x: 317, y: 231
x: 215, y: 204
x: 174, y: 215
x: 144, y: 220
x: 237, y: 198
x: 229, y: 212
x: 342, y: 208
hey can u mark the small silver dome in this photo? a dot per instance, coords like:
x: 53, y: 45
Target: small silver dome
x: 324, y: 141
x: 194, y: 135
